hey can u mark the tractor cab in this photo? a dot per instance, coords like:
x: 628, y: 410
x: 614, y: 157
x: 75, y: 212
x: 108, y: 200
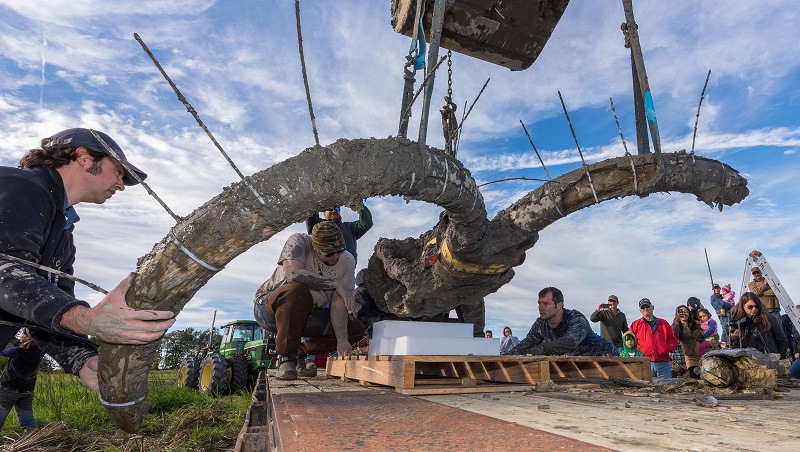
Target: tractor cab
x: 245, y: 350
x: 237, y: 334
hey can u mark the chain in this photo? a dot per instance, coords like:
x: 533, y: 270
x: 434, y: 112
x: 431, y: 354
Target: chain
x: 449, y: 121
x: 449, y: 74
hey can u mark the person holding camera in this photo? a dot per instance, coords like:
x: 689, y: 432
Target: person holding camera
x: 753, y: 327
x: 689, y: 334
x: 612, y: 321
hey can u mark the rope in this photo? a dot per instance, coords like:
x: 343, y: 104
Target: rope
x: 628, y: 154
x: 193, y: 257
x: 408, y: 91
x: 191, y: 110
x: 535, y: 150
x: 419, y: 30
x: 510, y: 179
x: 305, y: 76
x: 57, y: 272
x: 422, y: 86
x: 575, y: 137
x: 467, y: 112
x: 127, y: 167
x: 697, y: 116
x: 121, y: 404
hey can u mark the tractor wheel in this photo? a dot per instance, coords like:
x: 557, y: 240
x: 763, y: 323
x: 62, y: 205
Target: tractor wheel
x: 214, y: 375
x: 189, y: 373
x: 238, y: 371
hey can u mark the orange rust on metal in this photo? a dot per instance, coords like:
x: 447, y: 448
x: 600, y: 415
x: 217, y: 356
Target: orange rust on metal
x: 511, y: 33
x: 375, y: 420
x: 254, y: 435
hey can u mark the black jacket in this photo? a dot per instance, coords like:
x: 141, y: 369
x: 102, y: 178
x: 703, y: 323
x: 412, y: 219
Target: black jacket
x: 32, y: 228
x: 751, y: 335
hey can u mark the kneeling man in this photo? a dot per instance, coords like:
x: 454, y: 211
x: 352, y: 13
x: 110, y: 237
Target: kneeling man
x: 310, y: 294
x: 560, y: 331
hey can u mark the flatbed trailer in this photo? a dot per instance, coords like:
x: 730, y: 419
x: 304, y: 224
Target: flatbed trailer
x: 336, y: 413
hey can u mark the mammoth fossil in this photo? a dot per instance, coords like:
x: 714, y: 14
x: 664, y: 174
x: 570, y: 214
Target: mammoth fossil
x: 475, y: 254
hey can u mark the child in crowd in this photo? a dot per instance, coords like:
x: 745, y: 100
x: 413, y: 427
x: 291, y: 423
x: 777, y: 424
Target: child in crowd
x: 709, y: 328
x: 728, y: 296
x: 629, y: 346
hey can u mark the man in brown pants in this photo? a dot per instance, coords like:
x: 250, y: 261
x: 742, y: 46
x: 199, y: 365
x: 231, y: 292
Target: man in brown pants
x: 310, y: 294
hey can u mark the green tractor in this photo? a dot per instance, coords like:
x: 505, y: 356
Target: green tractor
x: 246, y: 349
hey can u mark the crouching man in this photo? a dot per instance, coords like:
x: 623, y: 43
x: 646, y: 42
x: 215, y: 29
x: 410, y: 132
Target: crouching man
x: 310, y: 294
x: 560, y: 331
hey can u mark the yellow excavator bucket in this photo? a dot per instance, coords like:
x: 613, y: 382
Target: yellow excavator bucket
x: 511, y: 33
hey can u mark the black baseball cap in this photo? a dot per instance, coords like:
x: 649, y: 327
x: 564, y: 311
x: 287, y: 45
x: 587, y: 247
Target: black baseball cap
x: 84, y: 138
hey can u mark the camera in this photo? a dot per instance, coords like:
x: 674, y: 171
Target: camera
x: 605, y: 305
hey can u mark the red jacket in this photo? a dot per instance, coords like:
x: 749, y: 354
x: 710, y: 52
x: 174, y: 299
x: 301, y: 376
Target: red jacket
x: 657, y: 344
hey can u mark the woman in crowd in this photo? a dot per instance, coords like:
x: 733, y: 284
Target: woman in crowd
x: 509, y: 341
x: 752, y: 327
x: 689, y: 334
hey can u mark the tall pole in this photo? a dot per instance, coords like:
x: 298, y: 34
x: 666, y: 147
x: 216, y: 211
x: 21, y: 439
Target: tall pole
x: 638, y: 62
x: 642, y: 137
x: 211, y: 331
x: 433, y: 54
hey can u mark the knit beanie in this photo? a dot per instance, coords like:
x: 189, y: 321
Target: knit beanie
x: 326, y: 238
x: 726, y: 288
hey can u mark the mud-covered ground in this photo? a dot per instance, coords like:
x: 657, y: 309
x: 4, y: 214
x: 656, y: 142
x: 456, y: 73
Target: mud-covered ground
x: 646, y: 419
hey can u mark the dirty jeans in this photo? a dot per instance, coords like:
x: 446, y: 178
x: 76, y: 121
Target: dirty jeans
x: 661, y: 369
x: 289, y: 312
x: 22, y: 402
x: 794, y: 369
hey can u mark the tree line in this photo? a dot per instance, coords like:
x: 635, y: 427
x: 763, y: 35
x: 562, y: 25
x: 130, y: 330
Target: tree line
x: 175, y: 346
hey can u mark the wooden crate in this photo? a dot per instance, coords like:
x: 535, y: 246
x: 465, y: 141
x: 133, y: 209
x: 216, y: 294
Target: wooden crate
x: 449, y: 374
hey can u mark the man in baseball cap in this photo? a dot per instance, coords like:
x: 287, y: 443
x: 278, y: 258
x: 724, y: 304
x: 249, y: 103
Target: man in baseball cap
x: 612, y: 321
x: 761, y: 288
x: 99, y: 143
x: 310, y: 294
x: 656, y: 339
x: 37, y: 217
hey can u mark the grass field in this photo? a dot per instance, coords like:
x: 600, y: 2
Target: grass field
x: 71, y: 418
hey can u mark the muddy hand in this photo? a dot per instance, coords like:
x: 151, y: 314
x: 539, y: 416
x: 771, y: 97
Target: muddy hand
x: 88, y: 373
x: 114, y: 322
x: 344, y: 348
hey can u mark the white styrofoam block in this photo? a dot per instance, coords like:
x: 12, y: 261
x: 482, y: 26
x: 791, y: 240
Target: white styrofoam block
x: 397, y: 328
x: 430, y: 345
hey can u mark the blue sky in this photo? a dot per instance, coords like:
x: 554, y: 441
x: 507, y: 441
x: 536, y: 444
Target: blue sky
x: 70, y: 64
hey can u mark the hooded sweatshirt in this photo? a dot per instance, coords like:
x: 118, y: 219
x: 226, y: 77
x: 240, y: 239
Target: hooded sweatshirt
x: 630, y: 352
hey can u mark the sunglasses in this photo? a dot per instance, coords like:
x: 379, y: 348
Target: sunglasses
x: 645, y: 306
x: 335, y: 209
x: 750, y: 306
x: 333, y: 253
x: 613, y: 301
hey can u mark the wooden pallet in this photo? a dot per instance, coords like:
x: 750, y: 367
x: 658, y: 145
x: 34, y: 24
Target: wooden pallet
x: 455, y: 374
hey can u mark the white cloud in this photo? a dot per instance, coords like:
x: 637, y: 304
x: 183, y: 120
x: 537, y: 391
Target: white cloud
x: 237, y: 64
